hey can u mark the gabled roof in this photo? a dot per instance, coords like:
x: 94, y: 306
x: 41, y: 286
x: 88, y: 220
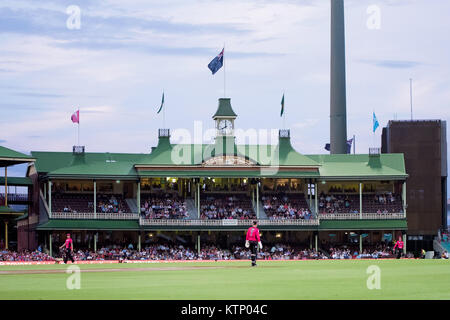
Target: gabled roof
x: 361, y: 165
x: 9, y: 157
x: 91, y: 164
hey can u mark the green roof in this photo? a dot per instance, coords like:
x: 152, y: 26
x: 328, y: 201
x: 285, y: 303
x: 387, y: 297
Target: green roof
x: 338, y: 166
x: 9, y: 157
x: 81, y: 224
x: 8, y: 210
x: 88, y: 165
x: 16, y: 181
x: 224, y: 109
x: 190, y: 159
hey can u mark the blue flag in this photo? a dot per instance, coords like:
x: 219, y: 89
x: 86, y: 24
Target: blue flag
x: 216, y: 63
x: 375, y: 122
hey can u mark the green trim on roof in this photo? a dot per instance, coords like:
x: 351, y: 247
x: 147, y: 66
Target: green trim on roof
x: 9, y: 157
x: 228, y: 174
x: 8, y: 210
x: 16, y: 181
x: 224, y: 109
x: 363, y: 225
x: 81, y: 224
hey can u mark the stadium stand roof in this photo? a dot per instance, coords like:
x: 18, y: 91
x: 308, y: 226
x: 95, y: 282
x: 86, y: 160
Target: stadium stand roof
x: 9, y: 157
x: 17, y: 181
x: 70, y: 224
x: 192, y: 160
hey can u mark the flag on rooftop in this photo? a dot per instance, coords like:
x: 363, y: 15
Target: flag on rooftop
x: 282, y: 106
x: 76, y: 117
x: 162, y: 103
x: 216, y: 63
x: 375, y: 122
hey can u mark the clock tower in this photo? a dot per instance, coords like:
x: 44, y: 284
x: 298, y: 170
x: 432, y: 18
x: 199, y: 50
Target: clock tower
x: 224, y: 118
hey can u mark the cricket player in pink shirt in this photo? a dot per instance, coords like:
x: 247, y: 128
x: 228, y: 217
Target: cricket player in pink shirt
x: 253, y: 241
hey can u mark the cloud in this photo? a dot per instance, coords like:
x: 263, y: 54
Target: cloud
x: 2, y: 141
x: 392, y: 64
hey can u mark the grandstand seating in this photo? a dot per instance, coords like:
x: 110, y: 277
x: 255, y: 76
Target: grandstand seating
x: 349, y: 203
x: 83, y: 203
x: 163, y: 206
x: 285, y: 206
x: 226, y: 206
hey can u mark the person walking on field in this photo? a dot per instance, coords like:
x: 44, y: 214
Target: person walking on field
x: 253, y: 241
x: 399, y: 247
x: 68, y: 246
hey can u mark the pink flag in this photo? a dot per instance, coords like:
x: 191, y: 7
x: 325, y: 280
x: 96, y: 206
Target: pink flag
x: 76, y: 117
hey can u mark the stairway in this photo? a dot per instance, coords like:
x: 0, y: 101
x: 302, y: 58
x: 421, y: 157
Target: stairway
x: 191, y: 208
x: 132, y: 204
x: 262, y: 213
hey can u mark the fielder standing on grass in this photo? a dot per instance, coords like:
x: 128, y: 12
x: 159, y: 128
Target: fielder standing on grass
x: 399, y: 245
x: 68, y: 245
x: 253, y: 241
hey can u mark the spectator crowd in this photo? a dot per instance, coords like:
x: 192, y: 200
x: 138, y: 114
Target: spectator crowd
x: 164, y: 207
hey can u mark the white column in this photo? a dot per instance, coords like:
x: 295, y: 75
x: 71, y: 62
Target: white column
x: 138, y: 196
x: 315, y: 241
x: 404, y: 198
x: 95, y: 199
x: 50, y: 198
x: 257, y: 200
x: 404, y: 243
x: 360, y: 200
x: 316, y: 195
x: 50, y: 244
x: 360, y: 243
x: 198, y: 244
x: 139, y: 242
x: 95, y: 241
x: 198, y: 202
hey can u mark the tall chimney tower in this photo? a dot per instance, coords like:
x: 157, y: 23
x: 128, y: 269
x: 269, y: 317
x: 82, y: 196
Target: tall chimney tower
x: 338, y: 112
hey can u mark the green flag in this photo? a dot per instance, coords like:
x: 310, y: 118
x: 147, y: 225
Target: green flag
x: 162, y: 103
x: 282, y: 106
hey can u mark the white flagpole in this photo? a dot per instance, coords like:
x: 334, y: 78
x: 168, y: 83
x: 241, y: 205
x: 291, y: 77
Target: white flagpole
x: 78, y: 126
x: 224, y: 88
x: 164, y: 111
x: 284, y: 113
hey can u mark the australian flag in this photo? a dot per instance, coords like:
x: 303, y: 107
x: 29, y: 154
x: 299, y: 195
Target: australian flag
x: 216, y: 63
x: 349, y: 146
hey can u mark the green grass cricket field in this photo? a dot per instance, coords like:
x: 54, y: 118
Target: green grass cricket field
x: 284, y: 280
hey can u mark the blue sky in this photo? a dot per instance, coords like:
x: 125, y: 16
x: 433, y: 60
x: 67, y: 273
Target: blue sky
x: 115, y: 67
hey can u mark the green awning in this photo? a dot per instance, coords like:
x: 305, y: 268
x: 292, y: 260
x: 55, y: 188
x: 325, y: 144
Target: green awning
x: 363, y: 225
x: 17, y: 181
x: 81, y: 224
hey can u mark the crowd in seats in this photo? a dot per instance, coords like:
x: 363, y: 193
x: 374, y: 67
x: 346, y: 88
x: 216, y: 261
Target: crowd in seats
x: 282, y: 206
x: 387, y: 202
x: 232, y: 187
x: 84, y: 203
x: 76, y: 203
x: 163, y: 206
x: 24, y: 255
x: 209, y: 252
x: 223, y: 206
x: 114, y: 203
x: 350, y: 203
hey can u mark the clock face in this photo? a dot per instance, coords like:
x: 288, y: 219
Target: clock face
x: 225, y: 126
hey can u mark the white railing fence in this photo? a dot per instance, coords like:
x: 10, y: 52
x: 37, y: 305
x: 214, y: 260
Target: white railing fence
x: 363, y: 216
x: 226, y: 222
x: 96, y: 216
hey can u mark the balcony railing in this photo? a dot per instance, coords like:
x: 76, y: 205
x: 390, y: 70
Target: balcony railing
x: 225, y: 222
x: 363, y: 216
x: 96, y: 216
x: 15, y: 197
